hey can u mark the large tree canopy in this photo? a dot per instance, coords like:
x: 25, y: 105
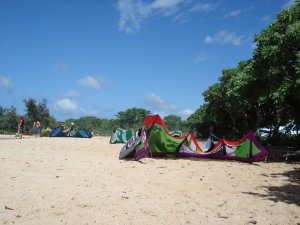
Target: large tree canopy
x: 262, y: 92
x: 38, y: 111
x: 276, y: 63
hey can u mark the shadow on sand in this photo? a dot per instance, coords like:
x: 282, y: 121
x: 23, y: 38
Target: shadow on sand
x: 288, y: 193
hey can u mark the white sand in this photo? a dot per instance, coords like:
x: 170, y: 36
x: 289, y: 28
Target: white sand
x: 81, y: 181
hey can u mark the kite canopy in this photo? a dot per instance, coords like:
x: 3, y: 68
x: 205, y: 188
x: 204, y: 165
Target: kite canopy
x: 59, y: 132
x: 155, y: 140
x: 176, y: 133
x: 137, y: 144
x: 121, y: 136
x: 247, y: 149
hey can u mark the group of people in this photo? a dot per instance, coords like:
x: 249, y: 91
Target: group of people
x: 21, y: 125
x: 37, y: 128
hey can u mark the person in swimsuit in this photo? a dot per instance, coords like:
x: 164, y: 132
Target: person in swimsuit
x: 37, y: 128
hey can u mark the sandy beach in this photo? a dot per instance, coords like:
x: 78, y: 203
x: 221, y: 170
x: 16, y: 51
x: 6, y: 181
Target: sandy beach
x: 82, y: 181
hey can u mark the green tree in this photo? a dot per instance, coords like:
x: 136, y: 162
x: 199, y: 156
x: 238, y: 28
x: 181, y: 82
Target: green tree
x: 238, y: 100
x: 38, y: 111
x: 96, y: 125
x: 107, y: 126
x: 263, y: 91
x: 200, y: 121
x: 31, y: 108
x: 8, y: 120
x: 43, y: 114
x: 133, y: 117
x: 173, y: 122
x: 89, y: 122
x: 276, y: 62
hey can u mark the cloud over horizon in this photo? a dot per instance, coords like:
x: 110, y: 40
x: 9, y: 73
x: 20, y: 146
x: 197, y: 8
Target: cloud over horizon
x: 66, y: 106
x: 157, y: 103
x: 159, y: 106
x: 70, y: 107
x: 6, y: 84
x: 185, y: 113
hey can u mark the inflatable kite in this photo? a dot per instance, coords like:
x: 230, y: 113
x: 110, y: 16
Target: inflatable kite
x: 60, y: 132
x: 155, y: 140
x: 121, y: 136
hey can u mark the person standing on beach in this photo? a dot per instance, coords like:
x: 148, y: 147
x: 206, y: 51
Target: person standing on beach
x: 71, y: 129
x: 37, y: 128
x: 21, y: 127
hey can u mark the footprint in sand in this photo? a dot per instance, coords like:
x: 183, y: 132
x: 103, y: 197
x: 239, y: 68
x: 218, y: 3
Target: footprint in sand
x: 59, y: 213
x: 82, y: 205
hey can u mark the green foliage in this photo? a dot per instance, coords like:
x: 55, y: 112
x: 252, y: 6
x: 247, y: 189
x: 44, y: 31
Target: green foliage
x: 8, y: 120
x: 276, y: 62
x: 107, y: 126
x: 95, y: 125
x: 200, y: 121
x: 261, y: 92
x: 173, y: 122
x: 31, y: 108
x: 37, y: 111
x: 133, y: 117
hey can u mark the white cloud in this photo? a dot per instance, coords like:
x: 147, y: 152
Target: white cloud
x: 202, y: 57
x: 203, y: 7
x: 159, y: 106
x: 234, y: 13
x: 71, y: 94
x: 208, y: 39
x: 134, y: 12
x: 68, y: 106
x: 156, y: 103
x: 165, y: 4
x: 180, y: 18
x: 185, y: 113
x: 6, y: 83
x: 225, y: 37
x: 91, y: 82
x: 288, y: 4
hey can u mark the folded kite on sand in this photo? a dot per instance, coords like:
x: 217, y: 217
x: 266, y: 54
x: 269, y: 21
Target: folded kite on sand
x: 81, y: 133
x: 155, y: 140
x: 121, y: 136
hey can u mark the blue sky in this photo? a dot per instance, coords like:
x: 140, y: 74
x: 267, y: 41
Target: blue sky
x: 89, y: 57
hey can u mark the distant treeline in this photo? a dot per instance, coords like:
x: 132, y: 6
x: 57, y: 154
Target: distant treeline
x: 34, y: 111
x: 133, y: 117
x: 260, y: 93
